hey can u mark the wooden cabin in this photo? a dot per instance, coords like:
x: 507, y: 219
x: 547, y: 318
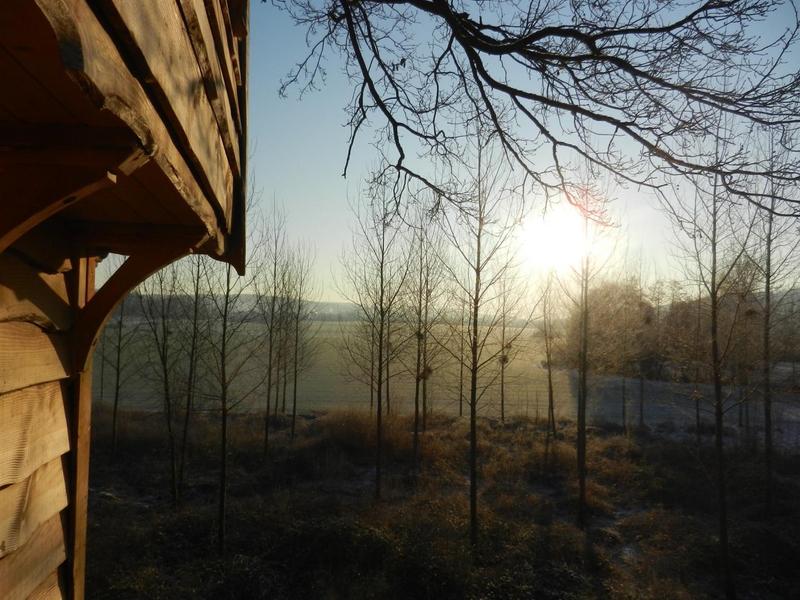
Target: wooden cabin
x: 122, y: 130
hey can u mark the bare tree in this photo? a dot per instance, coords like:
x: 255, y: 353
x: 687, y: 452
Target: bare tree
x: 268, y: 287
x: 480, y: 234
x: 303, y: 342
x: 777, y: 242
x: 375, y: 272
x: 424, y: 309
x: 124, y: 335
x: 194, y: 315
x: 158, y: 299
x: 591, y: 201
x: 716, y: 238
x: 546, y: 327
x: 234, y: 342
x: 622, y: 86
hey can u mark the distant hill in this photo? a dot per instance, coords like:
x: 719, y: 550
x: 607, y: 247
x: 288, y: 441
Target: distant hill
x: 320, y: 311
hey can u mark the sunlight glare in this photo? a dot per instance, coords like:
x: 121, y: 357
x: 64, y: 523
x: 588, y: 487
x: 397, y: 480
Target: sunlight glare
x: 554, y: 241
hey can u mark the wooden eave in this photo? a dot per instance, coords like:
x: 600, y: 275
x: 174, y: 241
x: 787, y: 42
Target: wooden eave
x: 90, y: 141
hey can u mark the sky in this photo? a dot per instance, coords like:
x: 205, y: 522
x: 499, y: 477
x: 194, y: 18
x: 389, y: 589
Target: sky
x: 298, y: 147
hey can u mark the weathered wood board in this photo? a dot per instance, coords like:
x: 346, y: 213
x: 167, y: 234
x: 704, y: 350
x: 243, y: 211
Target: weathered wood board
x: 29, y: 356
x: 171, y: 61
x: 26, y: 505
x: 23, y: 571
x: 50, y: 589
x: 34, y: 430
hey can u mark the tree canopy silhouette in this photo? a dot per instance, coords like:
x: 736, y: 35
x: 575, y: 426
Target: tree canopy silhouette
x: 626, y: 87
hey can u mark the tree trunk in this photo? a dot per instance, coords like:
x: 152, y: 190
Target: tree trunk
x: 719, y: 445
x: 296, y: 364
x: 582, y: 394
x: 117, y: 378
x: 415, y: 444
x: 697, y: 419
x: 503, y: 359
x: 461, y: 369
x: 473, y: 395
x: 223, y: 480
x: 191, y: 375
x: 388, y: 360
x: 270, y: 354
x: 641, y: 399
x: 767, y: 365
x: 624, y: 405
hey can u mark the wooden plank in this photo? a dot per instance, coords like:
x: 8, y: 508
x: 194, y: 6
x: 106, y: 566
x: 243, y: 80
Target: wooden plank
x: 101, y: 72
x: 202, y: 38
x: 30, y: 99
x: 231, y: 40
x: 50, y: 589
x: 240, y: 17
x: 34, y: 430
x: 28, y: 295
x: 217, y: 22
x: 26, y: 505
x: 29, y: 356
x: 175, y: 79
x: 30, y: 44
x: 23, y: 571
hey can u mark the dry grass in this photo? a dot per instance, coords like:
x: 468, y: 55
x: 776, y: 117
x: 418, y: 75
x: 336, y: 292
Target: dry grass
x: 303, y: 523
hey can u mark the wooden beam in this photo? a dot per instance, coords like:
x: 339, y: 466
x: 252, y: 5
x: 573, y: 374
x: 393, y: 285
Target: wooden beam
x: 70, y: 145
x: 202, y: 39
x: 99, y: 238
x: 166, y: 64
x: 22, y: 216
x: 240, y: 17
x: 223, y: 51
x: 93, y: 60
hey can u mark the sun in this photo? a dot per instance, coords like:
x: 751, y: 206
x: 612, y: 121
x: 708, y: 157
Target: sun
x: 554, y: 241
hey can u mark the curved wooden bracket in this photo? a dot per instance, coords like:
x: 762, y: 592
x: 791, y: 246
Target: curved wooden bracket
x: 93, y: 316
x: 16, y: 223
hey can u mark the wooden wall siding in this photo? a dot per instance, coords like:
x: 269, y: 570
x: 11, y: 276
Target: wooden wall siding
x: 36, y: 399
x: 26, y: 505
x: 34, y: 430
x: 52, y: 588
x: 23, y: 571
x: 29, y: 355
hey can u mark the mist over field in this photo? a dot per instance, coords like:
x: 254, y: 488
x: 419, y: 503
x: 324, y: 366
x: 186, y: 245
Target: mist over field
x: 326, y: 386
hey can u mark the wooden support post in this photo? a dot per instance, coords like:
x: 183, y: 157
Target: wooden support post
x: 81, y: 293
